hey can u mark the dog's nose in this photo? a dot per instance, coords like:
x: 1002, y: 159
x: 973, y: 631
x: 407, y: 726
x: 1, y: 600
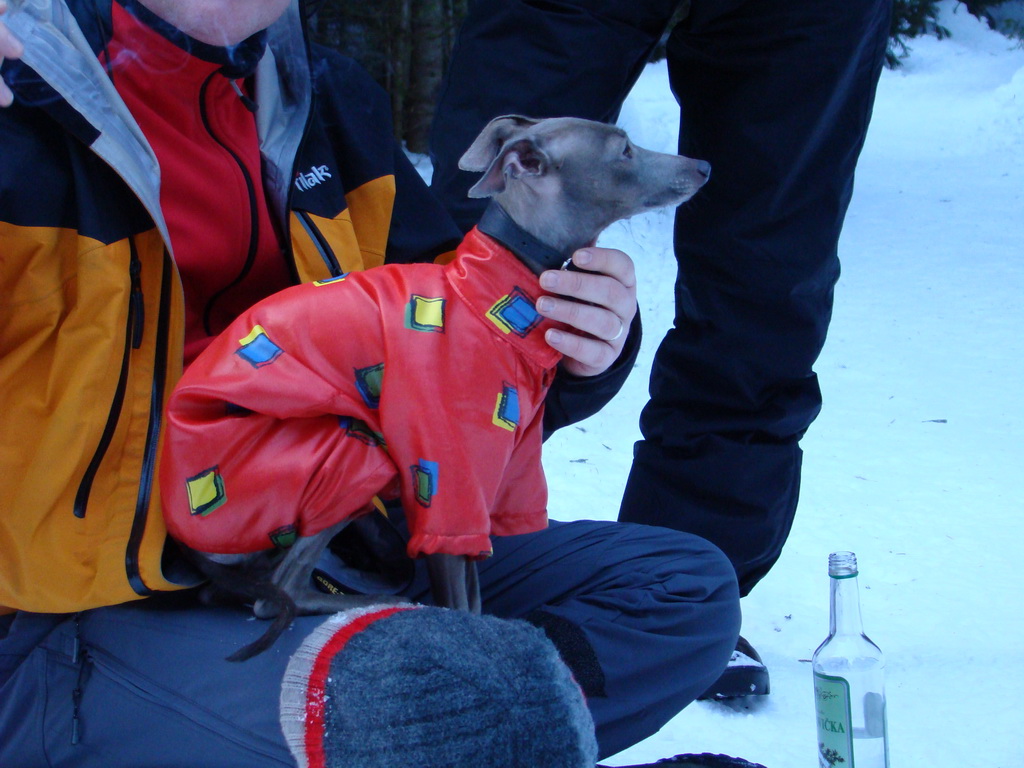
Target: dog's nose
x: 704, y: 169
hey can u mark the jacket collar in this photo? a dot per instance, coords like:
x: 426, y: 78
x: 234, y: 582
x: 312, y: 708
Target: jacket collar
x: 503, y: 292
x: 61, y: 73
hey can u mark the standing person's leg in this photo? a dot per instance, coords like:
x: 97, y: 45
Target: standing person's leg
x: 644, y: 618
x: 577, y: 58
x: 776, y: 95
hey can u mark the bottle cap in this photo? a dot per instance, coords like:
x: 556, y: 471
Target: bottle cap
x: 842, y: 565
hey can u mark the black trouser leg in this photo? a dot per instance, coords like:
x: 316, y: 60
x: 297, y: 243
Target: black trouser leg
x: 777, y: 96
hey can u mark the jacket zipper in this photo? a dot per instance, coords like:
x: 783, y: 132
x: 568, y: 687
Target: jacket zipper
x: 132, y: 340
x: 136, y: 301
x: 254, y: 221
x: 156, y: 415
x: 324, y: 248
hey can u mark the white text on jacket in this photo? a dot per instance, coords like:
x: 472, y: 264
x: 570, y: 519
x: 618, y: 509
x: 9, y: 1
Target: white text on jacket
x: 316, y: 175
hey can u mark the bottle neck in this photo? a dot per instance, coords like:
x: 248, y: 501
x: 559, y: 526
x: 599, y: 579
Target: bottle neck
x: 845, y: 614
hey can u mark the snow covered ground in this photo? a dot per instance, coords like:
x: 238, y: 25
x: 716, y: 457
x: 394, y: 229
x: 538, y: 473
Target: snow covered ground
x: 917, y: 461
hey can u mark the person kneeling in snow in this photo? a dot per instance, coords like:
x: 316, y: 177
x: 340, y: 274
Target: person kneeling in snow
x: 121, y: 261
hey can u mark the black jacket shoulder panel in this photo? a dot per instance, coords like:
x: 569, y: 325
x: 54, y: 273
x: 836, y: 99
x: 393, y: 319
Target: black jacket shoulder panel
x: 50, y: 178
x: 30, y: 90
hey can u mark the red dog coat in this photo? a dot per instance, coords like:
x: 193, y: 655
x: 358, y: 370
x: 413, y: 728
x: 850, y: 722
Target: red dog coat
x: 419, y: 380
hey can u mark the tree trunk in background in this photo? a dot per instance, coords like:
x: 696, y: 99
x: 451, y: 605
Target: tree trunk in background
x: 426, y: 68
x: 404, y: 44
x: 400, y: 44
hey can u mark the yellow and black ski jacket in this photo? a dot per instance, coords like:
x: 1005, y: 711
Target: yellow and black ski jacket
x: 91, y: 312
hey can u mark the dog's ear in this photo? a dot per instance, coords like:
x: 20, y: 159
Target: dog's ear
x: 503, y: 150
x: 518, y: 158
x: 487, y: 146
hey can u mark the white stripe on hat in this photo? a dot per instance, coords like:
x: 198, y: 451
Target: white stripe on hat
x: 303, y: 691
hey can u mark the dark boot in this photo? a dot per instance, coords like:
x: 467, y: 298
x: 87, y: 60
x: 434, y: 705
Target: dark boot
x: 745, y: 675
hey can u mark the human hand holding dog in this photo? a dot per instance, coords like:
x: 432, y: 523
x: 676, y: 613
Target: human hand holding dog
x: 599, y: 302
x: 10, y: 48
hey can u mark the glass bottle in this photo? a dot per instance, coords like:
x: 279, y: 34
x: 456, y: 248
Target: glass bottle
x: 849, y: 691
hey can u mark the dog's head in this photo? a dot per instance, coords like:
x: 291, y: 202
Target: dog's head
x: 576, y: 171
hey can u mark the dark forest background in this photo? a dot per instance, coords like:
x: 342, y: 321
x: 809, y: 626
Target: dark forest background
x: 406, y: 46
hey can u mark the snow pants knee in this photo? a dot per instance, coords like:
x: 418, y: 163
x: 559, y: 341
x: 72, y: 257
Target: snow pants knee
x: 645, y: 618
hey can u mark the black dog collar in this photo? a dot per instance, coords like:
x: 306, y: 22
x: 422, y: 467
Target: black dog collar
x: 498, y: 224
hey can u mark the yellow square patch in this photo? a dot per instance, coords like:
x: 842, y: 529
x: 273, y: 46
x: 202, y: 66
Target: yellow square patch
x: 424, y: 313
x: 206, y: 491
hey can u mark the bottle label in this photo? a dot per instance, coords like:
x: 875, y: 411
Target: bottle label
x: 835, y: 724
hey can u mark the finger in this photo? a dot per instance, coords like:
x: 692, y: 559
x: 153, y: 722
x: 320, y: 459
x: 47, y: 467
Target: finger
x: 608, y: 261
x: 609, y: 280
x: 582, y: 356
x: 10, y: 48
x: 600, y: 322
x: 593, y: 288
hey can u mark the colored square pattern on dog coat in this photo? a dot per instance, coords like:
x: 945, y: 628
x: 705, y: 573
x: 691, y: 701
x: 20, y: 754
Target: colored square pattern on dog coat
x: 421, y: 382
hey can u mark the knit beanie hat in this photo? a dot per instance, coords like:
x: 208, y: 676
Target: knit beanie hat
x: 386, y: 686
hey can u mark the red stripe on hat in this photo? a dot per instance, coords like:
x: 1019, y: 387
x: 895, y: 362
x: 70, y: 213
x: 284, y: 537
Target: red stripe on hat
x: 316, y: 694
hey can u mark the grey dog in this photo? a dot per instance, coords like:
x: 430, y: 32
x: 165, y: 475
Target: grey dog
x: 555, y: 185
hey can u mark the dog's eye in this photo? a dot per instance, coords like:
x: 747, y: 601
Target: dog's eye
x: 627, y: 151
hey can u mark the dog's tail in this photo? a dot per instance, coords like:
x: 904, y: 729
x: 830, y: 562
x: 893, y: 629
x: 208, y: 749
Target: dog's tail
x: 284, y: 611
x: 249, y: 582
